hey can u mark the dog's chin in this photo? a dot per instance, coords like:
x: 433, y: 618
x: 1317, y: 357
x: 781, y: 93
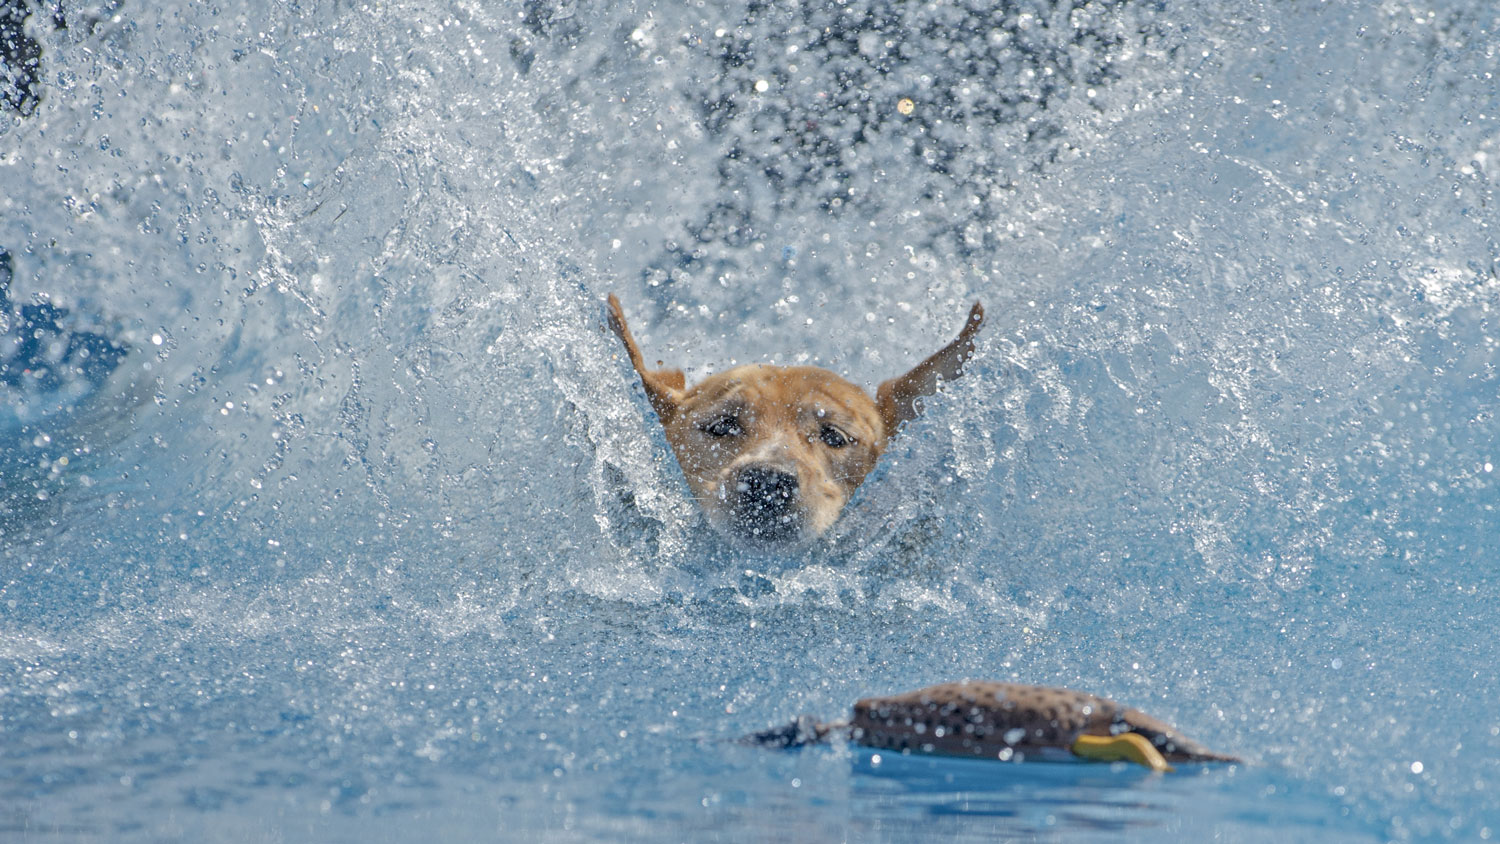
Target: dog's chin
x: 785, y: 534
x: 769, y: 537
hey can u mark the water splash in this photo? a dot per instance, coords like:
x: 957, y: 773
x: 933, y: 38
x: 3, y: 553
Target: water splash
x: 368, y: 503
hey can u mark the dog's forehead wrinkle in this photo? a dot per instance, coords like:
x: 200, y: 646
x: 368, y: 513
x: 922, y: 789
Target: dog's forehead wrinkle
x: 731, y: 407
x: 711, y: 390
x: 722, y: 401
x: 828, y: 408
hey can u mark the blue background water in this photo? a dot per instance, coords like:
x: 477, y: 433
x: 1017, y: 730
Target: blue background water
x: 369, y: 533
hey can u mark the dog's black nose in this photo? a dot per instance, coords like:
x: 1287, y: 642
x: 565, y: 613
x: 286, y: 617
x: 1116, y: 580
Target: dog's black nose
x: 765, y: 488
x: 765, y: 503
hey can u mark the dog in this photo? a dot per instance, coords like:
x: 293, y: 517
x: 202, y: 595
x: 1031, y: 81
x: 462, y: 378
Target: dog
x: 773, y: 453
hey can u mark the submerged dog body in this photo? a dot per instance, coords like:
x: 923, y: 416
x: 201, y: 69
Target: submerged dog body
x: 772, y: 453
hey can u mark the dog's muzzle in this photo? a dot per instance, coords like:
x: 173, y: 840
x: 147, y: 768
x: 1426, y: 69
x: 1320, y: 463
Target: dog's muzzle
x: 765, y: 505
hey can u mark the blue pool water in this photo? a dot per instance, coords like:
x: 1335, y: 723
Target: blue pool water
x: 330, y: 511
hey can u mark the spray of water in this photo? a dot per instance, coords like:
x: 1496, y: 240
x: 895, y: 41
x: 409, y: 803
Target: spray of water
x: 353, y: 473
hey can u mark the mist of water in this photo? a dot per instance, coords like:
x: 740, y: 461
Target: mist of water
x: 371, y: 499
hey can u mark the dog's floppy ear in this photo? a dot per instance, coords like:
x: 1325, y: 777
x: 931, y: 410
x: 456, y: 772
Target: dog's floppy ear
x: 663, y: 386
x: 897, y: 398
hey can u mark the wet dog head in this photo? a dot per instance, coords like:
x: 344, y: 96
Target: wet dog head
x: 772, y: 453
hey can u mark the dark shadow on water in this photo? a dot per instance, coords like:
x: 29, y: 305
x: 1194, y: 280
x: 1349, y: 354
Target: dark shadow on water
x: 54, y: 407
x: 42, y: 347
x: 21, y: 55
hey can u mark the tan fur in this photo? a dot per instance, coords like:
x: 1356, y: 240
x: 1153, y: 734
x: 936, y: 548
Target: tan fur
x: 772, y: 453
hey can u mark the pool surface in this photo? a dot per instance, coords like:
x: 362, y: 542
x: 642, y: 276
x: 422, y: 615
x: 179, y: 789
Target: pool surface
x: 330, y: 509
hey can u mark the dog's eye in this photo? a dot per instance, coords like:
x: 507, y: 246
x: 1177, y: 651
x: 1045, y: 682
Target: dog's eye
x: 834, y: 438
x: 723, y: 426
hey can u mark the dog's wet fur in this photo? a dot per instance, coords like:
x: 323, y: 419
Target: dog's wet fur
x: 773, y: 453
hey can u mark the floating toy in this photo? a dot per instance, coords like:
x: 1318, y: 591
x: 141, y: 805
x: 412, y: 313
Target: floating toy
x: 1004, y: 721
